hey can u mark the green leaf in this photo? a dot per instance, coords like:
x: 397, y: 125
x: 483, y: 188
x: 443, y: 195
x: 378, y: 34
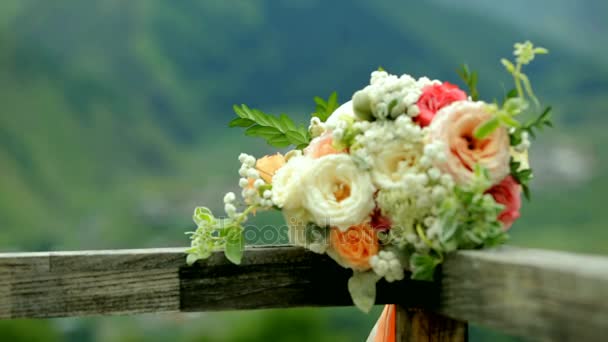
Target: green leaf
x: 287, y: 122
x: 508, y: 65
x: 511, y: 94
x: 279, y: 141
x: 241, y: 122
x: 191, y: 259
x: 235, y: 245
x: 515, y: 105
x: 485, y: 129
x: 278, y: 131
x: 362, y: 288
x: 423, y: 266
x: 507, y: 120
x: 325, y: 108
x: 470, y: 79
x: 202, y: 215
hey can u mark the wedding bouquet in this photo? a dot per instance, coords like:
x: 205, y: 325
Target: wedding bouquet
x: 393, y: 180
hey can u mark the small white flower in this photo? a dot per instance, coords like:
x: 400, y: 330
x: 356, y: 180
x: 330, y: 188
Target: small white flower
x: 250, y: 161
x: 229, y: 197
x: 434, y: 174
x: 316, y: 127
x: 267, y: 194
x: 258, y: 183
x: 230, y: 209
x: 243, y: 182
x: 253, y: 173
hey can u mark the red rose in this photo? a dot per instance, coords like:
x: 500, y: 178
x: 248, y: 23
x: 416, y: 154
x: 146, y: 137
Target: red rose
x: 507, y: 193
x: 435, y: 97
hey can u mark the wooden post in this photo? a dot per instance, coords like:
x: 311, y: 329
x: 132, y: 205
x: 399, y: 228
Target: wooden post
x: 419, y: 325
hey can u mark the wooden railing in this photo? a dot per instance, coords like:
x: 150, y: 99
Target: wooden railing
x: 536, y: 294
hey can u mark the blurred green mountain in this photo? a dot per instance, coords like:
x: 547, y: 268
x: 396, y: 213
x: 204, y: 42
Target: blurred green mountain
x: 113, y: 113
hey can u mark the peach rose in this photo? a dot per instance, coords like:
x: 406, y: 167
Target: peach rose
x: 507, y: 193
x: 269, y: 165
x: 355, y: 246
x: 435, y: 97
x: 454, y: 126
x: 321, y: 146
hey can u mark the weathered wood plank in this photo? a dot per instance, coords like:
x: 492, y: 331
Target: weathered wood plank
x: 538, y: 294
x: 530, y: 293
x: 421, y: 325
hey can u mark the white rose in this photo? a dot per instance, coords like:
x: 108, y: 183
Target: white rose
x: 392, y: 163
x: 337, y: 193
x: 345, y: 110
x: 287, y: 189
x: 454, y: 126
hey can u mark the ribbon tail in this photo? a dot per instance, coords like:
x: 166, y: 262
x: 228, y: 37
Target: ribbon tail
x: 385, y: 329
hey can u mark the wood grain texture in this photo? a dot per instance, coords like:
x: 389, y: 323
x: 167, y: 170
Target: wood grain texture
x: 421, y: 325
x: 530, y: 293
x: 543, y: 295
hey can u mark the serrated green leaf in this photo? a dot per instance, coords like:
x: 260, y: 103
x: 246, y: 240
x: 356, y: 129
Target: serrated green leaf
x: 485, y: 129
x: 263, y: 131
x: 423, y: 266
x: 320, y: 101
x: 280, y: 141
x: 275, y: 130
x: 325, y: 108
x: 287, y: 122
x: 241, y: 122
x: 296, y: 137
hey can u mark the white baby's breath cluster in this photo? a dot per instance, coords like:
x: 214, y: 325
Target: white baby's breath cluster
x: 255, y: 191
x: 389, y: 96
x: 387, y: 265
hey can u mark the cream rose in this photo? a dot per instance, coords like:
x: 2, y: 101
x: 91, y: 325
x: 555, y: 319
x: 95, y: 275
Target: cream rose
x: 337, y: 193
x: 454, y: 126
x: 392, y: 163
x: 345, y: 110
x: 287, y: 189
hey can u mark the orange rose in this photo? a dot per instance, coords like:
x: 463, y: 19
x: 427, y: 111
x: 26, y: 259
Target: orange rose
x: 269, y: 165
x: 355, y: 246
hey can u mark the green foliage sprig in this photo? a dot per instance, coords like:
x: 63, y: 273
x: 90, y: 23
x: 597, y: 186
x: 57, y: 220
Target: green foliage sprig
x: 278, y: 131
x: 214, y: 234
x: 325, y: 108
x: 517, y: 100
x: 524, y: 53
x: 470, y: 79
x: 469, y: 219
x: 522, y: 176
